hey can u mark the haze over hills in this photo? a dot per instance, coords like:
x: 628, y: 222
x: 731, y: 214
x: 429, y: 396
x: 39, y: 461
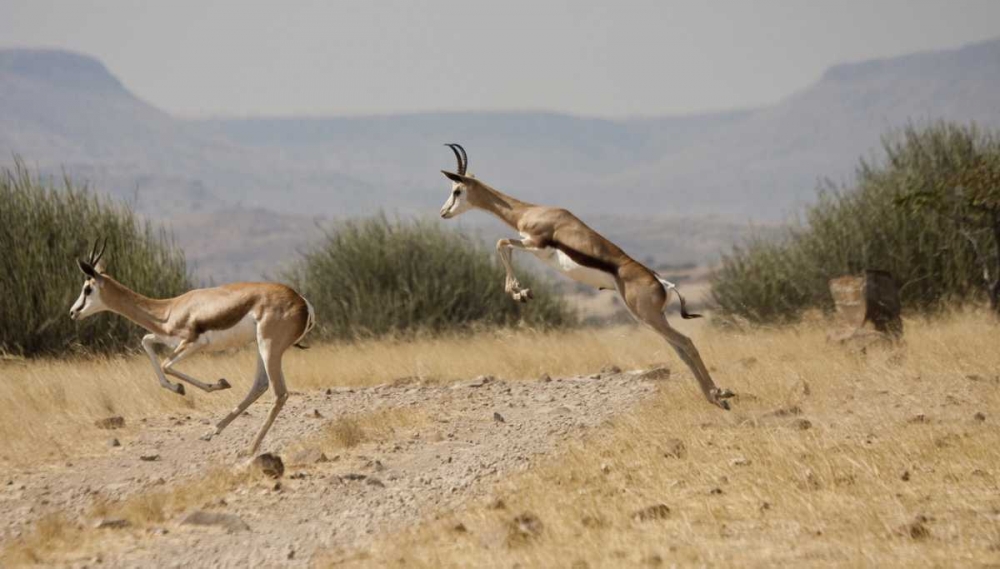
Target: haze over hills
x: 242, y: 194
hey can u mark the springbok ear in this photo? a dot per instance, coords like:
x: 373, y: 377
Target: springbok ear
x: 453, y: 176
x: 87, y: 269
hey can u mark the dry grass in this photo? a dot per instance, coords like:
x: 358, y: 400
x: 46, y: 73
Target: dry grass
x: 50, y: 405
x: 351, y: 431
x: 830, y: 457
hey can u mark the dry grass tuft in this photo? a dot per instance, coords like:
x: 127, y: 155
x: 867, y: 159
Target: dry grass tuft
x: 51, y: 532
x: 680, y: 483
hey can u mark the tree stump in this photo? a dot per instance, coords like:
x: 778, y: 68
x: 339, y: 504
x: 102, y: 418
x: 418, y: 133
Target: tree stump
x: 871, y: 298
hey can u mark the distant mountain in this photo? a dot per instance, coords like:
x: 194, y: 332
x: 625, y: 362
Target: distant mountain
x: 263, y: 184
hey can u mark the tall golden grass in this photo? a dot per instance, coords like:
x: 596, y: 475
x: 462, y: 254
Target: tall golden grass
x: 830, y: 457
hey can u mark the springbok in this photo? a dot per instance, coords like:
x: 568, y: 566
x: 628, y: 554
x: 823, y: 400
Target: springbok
x: 561, y: 240
x: 208, y: 319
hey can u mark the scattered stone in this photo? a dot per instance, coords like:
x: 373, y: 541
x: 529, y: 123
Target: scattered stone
x: 311, y: 455
x: 481, y: 381
x: 905, y: 477
x: 149, y: 457
x: 114, y: 443
x: 110, y: 423
x: 329, y: 391
x: 674, y: 448
x: 658, y: 373
x: 802, y: 424
x: 460, y: 528
x: 498, y: 417
x: 112, y: 523
x: 979, y: 416
x: 372, y: 481
x: 354, y: 476
x: 375, y: 465
x: 610, y: 370
x: 739, y: 461
x: 270, y: 465
x: 231, y: 523
x: 498, y: 504
x: 605, y: 468
x: 917, y: 529
x: 715, y: 491
x: 545, y: 378
x: 919, y: 419
x: 316, y: 414
x: 654, y: 512
x: 523, y: 527
x: 785, y: 412
x: 653, y: 560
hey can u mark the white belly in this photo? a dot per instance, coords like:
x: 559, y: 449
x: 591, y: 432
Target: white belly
x: 564, y: 264
x: 244, y: 332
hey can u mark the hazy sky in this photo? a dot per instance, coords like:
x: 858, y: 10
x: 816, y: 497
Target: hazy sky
x: 203, y: 57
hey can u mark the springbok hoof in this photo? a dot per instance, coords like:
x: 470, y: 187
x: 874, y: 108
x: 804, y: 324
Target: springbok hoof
x: 222, y: 384
x: 720, y: 396
x: 179, y: 389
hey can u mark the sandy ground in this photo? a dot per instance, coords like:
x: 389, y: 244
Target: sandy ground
x: 470, y: 435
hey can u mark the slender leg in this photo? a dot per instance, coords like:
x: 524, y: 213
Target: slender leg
x: 511, y: 285
x: 272, y: 363
x: 258, y: 389
x: 647, y: 307
x: 148, y: 341
x: 184, y: 350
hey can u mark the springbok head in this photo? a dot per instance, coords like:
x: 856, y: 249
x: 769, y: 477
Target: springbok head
x: 90, y: 297
x: 461, y: 185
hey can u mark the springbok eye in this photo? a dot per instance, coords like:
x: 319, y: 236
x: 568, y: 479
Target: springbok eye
x: 456, y: 192
x: 87, y: 290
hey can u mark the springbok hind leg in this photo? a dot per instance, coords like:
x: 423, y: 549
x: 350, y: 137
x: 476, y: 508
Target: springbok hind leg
x: 258, y: 389
x: 689, y: 354
x: 272, y: 365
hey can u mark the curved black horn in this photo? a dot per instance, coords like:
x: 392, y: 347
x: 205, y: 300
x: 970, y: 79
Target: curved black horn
x: 101, y: 254
x: 462, y: 159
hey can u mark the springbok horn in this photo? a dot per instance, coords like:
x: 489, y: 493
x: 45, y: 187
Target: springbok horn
x: 462, y: 159
x: 101, y: 254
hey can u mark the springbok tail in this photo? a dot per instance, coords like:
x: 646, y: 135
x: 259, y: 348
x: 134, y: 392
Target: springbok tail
x: 310, y: 322
x: 669, y: 286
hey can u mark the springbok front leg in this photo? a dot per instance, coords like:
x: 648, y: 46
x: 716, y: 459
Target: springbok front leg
x: 511, y: 285
x: 148, y: 341
x: 184, y: 350
x: 258, y: 389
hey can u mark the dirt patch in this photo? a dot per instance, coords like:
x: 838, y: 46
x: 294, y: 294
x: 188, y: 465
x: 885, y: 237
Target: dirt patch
x: 360, y: 462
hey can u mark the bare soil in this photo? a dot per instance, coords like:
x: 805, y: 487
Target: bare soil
x: 472, y: 434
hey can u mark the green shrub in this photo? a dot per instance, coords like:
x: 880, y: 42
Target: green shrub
x: 43, y: 230
x: 932, y: 256
x: 373, y: 276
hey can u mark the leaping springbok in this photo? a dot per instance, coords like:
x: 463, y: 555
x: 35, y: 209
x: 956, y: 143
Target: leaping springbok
x: 207, y: 319
x: 561, y: 240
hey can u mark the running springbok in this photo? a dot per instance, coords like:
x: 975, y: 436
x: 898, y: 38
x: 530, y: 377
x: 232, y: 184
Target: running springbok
x: 207, y: 319
x: 561, y: 240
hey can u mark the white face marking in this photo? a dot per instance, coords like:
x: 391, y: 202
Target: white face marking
x: 458, y: 201
x: 89, y: 302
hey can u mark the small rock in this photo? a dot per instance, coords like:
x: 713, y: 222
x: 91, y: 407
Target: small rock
x: 460, y: 528
x: 785, y: 412
x: 739, y: 461
x: 481, y: 381
x: 979, y: 416
x: 114, y: 443
x: 919, y: 419
x: 309, y: 455
x: 110, y: 423
x: 375, y: 465
x: 149, y: 457
x: 354, y: 476
x: 605, y: 469
x: 229, y: 522
x: 611, y: 370
x: 316, y: 414
x: 270, y: 465
x: 329, y: 391
x: 112, y: 523
x: 905, y: 477
x: 545, y: 378
x: 653, y: 560
x: 654, y: 512
x: 498, y: 504
x: 802, y: 424
x: 524, y: 527
x: 498, y: 417
x: 658, y: 373
x: 372, y: 481
x: 674, y: 448
x: 917, y: 529
x: 715, y: 491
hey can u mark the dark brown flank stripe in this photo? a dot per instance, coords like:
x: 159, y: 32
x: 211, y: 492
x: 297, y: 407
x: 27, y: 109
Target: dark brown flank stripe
x: 583, y: 259
x: 224, y: 320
